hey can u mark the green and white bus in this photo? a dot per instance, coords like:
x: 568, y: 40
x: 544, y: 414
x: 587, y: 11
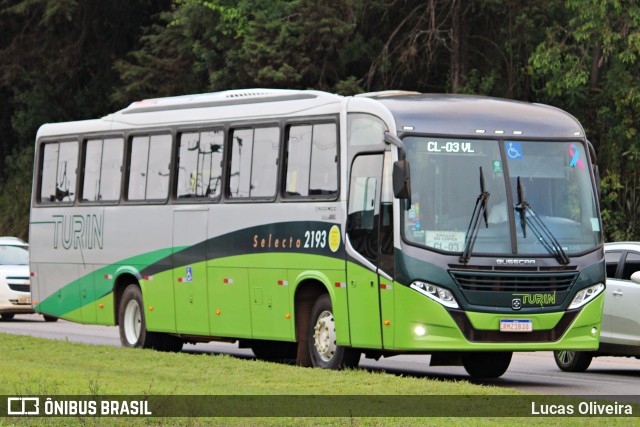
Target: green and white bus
x: 307, y: 225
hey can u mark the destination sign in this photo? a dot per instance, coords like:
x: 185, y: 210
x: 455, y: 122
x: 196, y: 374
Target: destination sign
x: 449, y: 147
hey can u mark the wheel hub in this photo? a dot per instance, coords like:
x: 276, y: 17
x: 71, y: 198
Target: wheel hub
x: 324, y: 336
x: 566, y: 356
x: 132, y: 322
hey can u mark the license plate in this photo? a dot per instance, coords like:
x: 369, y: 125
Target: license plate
x: 516, y: 325
x: 24, y: 300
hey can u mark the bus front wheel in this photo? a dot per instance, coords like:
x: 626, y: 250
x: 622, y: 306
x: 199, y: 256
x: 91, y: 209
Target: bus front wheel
x: 572, y: 361
x: 486, y: 364
x: 325, y: 353
x: 133, y: 327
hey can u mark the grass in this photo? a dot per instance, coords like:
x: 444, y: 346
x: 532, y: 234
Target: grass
x: 33, y: 366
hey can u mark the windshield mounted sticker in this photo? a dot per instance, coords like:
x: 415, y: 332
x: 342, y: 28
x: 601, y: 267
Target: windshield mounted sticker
x: 497, y: 166
x: 514, y: 150
x: 445, y: 240
x: 575, y: 157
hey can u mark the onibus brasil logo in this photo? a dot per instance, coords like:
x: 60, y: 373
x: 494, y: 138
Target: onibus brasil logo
x: 36, y: 406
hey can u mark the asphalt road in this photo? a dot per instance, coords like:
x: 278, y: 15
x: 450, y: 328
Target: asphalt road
x: 533, y: 372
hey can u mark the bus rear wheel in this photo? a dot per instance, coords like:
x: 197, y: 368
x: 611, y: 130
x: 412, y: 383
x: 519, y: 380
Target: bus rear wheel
x: 133, y: 327
x: 486, y: 364
x: 572, y: 361
x: 325, y: 353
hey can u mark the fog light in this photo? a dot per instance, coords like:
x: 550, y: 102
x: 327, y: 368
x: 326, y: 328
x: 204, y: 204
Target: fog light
x: 594, y: 331
x: 420, y: 331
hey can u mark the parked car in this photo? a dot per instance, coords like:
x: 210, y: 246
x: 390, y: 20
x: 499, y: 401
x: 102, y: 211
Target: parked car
x: 620, y: 329
x: 15, y: 292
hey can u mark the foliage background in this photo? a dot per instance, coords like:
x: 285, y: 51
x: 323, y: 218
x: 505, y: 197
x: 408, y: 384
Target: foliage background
x: 79, y: 59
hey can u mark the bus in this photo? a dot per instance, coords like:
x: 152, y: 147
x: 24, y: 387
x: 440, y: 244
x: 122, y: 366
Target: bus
x: 321, y: 228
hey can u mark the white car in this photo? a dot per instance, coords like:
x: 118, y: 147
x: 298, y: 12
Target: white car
x: 15, y: 292
x: 620, y: 329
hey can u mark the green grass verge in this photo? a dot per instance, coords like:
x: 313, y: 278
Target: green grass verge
x: 33, y: 366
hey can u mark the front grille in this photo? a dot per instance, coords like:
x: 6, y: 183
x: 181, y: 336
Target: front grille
x: 524, y: 281
x: 19, y: 288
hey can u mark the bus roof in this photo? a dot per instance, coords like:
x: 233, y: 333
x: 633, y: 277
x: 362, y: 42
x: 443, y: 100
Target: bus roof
x: 433, y: 114
x: 225, y: 105
x: 221, y: 99
x: 448, y: 114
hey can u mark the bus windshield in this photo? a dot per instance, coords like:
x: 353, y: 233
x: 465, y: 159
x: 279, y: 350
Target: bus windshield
x: 486, y: 190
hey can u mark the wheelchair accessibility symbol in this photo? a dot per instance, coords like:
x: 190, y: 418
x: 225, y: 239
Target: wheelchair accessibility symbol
x: 189, y: 277
x: 514, y: 150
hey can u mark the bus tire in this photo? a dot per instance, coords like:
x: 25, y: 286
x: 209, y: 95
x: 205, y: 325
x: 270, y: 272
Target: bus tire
x: 133, y: 326
x: 131, y: 321
x: 490, y: 364
x: 325, y: 353
x: 7, y: 316
x: 572, y: 361
x: 48, y: 318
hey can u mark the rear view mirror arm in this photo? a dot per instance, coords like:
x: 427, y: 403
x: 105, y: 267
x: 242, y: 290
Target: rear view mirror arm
x: 394, y: 140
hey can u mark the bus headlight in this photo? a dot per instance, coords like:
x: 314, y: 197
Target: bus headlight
x: 586, y: 295
x: 436, y: 293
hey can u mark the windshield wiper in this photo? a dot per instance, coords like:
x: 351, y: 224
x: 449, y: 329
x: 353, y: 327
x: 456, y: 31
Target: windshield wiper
x: 544, y: 235
x: 479, y: 210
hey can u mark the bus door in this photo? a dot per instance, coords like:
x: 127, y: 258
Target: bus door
x: 364, y: 284
x: 190, y: 270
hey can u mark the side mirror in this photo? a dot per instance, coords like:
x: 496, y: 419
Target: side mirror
x: 635, y: 277
x: 401, y: 180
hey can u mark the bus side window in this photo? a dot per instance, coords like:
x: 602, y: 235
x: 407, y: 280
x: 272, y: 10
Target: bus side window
x: 159, y: 166
x: 254, y: 162
x: 298, y: 157
x: 241, y: 154
x: 111, y: 170
x: 102, y: 170
x: 323, y: 178
x: 149, y: 170
x: 200, y: 164
x: 386, y: 260
x: 59, y: 172
x: 312, y: 160
x: 365, y: 129
x: 362, y: 220
x: 364, y: 199
x: 264, y: 165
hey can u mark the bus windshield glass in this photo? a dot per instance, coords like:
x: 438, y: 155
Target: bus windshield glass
x: 487, y: 190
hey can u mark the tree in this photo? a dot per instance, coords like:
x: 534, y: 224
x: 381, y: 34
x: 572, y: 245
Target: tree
x: 56, y: 65
x: 589, y: 66
x: 216, y: 45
